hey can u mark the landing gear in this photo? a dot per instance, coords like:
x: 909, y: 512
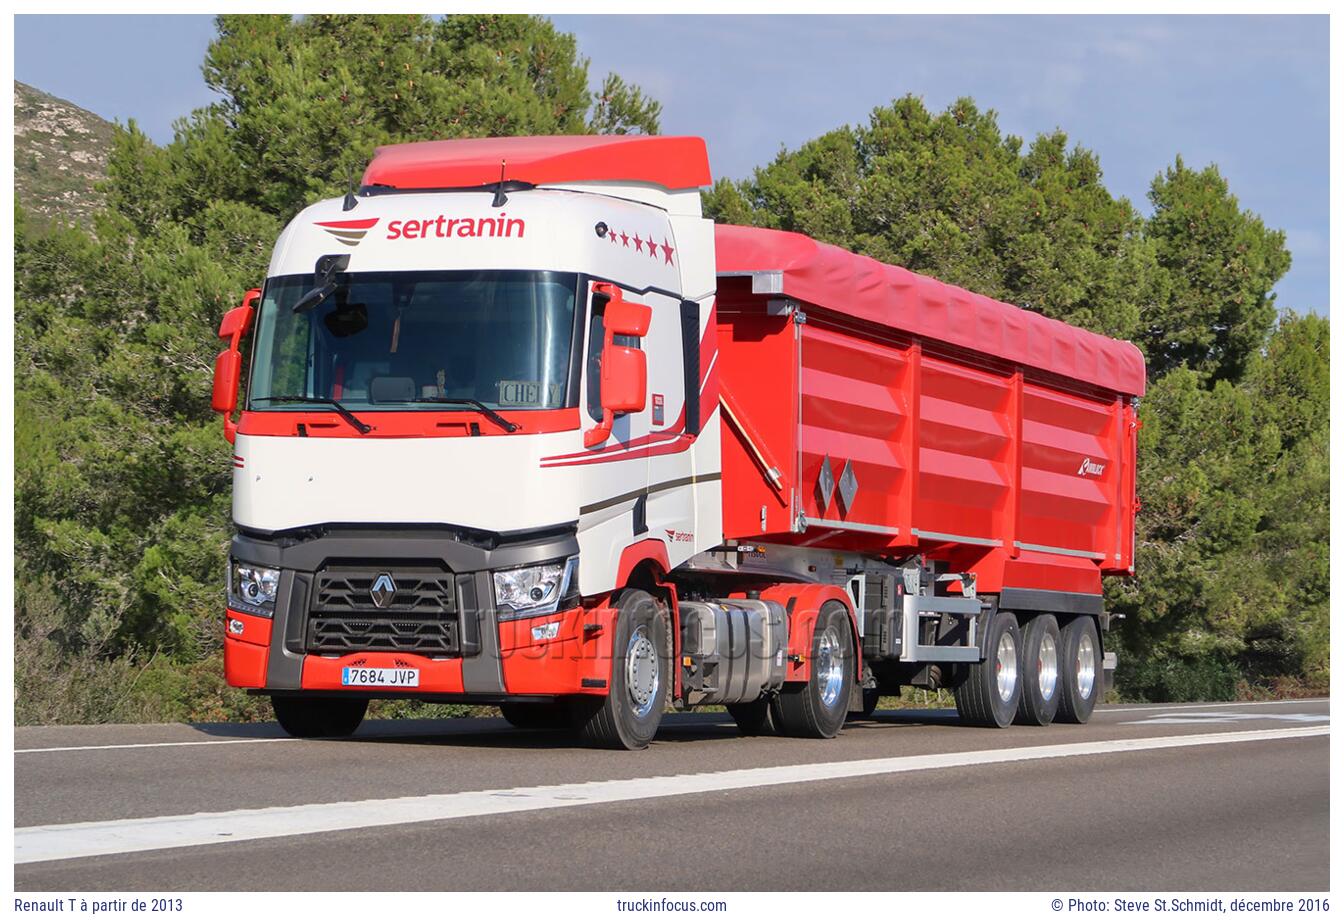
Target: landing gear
x: 641, y: 677
x: 318, y: 717
x: 990, y: 693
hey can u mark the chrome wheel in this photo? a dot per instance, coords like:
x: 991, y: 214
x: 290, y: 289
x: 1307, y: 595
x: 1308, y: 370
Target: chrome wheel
x: 1047, y: 667
x: 1005, y: 666
x: 642, y: 677
x: 830, y: 667
x: 1086, y: 665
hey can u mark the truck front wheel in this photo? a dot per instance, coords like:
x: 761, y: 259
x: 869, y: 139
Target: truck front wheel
x: 318, y: 717
x: 641, y: 677
x: 990, y: 693
x: 817, y: 709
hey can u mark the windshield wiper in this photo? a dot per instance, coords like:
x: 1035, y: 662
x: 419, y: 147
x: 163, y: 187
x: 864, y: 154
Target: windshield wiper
x: 323, y: 401
x: 476, y: 404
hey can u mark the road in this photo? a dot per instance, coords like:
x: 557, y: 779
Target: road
x: 1176, y: 798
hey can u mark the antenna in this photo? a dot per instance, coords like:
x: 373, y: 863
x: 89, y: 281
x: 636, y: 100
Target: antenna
x: 500, y: 198
x: 350, y: 199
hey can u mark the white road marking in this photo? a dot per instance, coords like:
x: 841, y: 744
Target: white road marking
x: 100, y: 838
x: 1185, y: 717
x: 1163, y: 707
x: 151, y: 744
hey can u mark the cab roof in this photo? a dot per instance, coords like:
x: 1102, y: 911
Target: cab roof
x: 670, y: 162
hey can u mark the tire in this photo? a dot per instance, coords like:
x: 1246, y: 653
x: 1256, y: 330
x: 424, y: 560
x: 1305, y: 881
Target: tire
x: 317, y: 717
x: 641, y: 679
x: 1080, y: 670
x: 817, y: 708
x: 751, y: 718
x: 870, y: 697
x: 990, y: 693
x: 535, y: 716
x: 1041, y: 646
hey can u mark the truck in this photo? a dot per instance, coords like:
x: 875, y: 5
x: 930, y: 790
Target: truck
x: 521, y: 427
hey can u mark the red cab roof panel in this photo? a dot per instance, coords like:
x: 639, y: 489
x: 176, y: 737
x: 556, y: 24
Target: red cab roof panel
x: 838, y: 280
x: 670, y: 162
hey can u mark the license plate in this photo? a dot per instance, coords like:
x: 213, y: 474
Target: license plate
x: 380, y: 677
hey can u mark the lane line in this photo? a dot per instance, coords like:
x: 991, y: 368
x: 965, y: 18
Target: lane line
x: 100, y: 838
x: 151, y: 744
x: 1177, y: 707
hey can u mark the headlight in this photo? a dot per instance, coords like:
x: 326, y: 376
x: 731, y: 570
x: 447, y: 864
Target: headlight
x: 252, y: 588
x: 536, y: 589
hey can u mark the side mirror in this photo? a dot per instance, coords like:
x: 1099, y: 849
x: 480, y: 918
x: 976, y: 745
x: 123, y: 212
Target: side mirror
x: 229, y: 362
x: 625, y: 372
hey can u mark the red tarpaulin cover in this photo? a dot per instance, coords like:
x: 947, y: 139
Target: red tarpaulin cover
x: 836, y: 279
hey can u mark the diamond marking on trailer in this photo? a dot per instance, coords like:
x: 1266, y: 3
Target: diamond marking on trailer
x: 825, y: 484
x: 849, y: 486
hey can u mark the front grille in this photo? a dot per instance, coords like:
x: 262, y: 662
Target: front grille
x: 421, y: 592
x: 419, y: 616
x: 436, y: 638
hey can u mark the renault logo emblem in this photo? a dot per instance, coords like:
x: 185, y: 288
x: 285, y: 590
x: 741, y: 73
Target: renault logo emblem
x: 383, y: 590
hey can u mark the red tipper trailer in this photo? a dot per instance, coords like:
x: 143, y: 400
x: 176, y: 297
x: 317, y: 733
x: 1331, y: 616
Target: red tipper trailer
x: 523, y: 427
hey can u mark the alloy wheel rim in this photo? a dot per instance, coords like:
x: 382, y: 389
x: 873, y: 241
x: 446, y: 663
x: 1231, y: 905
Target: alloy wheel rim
x: 1047, y: 667
x: 642, y: 675
x: 1005, y: 666
x: 830, y: 667
x: 1086, y: 666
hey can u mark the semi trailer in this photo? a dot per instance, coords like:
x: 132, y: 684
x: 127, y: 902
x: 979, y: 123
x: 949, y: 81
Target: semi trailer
x: 521, y: 427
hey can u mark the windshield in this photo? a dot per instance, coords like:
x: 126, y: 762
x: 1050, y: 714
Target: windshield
x: 401, y: 340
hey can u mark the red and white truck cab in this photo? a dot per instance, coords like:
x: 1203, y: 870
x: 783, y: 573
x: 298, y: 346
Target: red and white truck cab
x: 520, y: 426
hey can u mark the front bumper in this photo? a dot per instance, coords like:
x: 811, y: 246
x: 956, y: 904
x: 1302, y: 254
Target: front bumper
x: 494, y: 659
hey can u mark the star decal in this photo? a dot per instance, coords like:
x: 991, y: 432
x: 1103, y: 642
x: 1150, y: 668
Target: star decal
x: 625, y: 240
x: 639, y: 244
x: 667, y: 251
x: 611, y: 235
x: 653, y: 249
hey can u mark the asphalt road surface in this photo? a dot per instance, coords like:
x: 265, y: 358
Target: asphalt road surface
x: 1175, y: 798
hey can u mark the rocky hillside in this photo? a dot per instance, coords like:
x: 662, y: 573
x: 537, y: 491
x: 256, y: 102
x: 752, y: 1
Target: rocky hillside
x: 60, y: 151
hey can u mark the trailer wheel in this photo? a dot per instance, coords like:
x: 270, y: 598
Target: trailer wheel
x: 1040, y: 672
x: 534, y: 715
x: 817, y: 709
x: 751, y: 718
x: 989, y: 694
x: 317, y: 717
x: 641, y: 678
x: 1080, y: 662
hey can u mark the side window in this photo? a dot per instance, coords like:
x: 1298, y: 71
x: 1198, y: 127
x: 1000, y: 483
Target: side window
x: 596, y: 338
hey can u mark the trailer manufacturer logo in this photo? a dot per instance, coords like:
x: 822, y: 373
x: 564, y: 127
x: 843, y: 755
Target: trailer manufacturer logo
x: 1091, y: 469
x: 349, y: 232
x: 679, y: 536
x: 383, y: 590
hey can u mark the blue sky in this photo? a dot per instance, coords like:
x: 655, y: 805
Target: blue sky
x: 1249, y: 93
